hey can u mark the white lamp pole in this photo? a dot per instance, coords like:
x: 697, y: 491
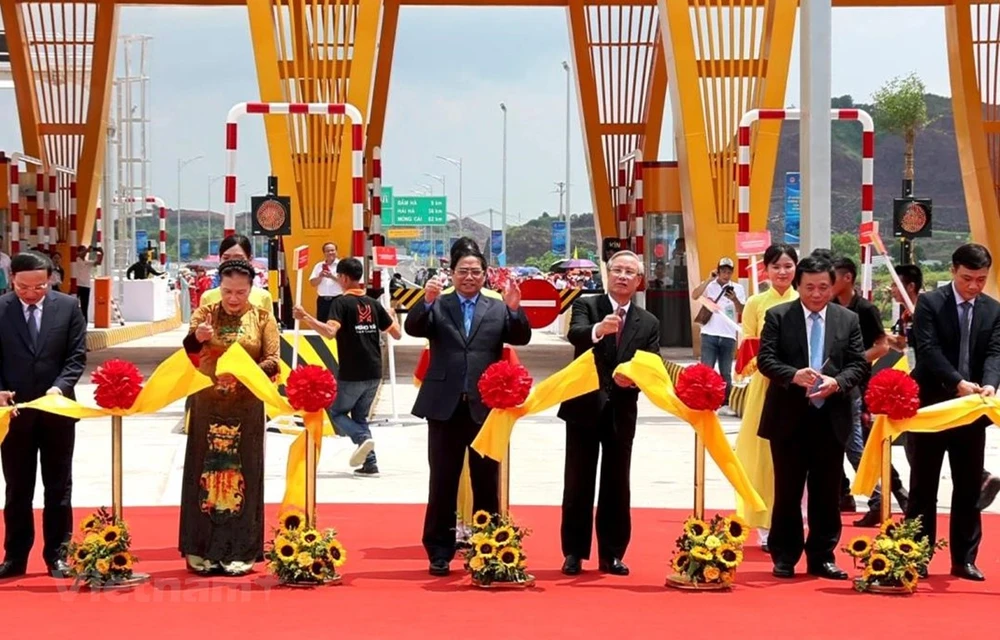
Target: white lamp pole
x: 569, y: 235
x: 503, y: 191
x: 211, y: 180
x: 456, y: 163
x: 180, y: 165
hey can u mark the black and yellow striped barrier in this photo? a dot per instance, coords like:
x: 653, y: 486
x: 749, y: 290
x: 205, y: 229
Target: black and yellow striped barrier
x: 313, y: 349
x: 567, y: 297
x: 404, y: 299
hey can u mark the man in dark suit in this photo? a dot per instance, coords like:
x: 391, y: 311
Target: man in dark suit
x: 813, y: 355
x: 613, y: 329
x: 43, y: 351
x: 466, y: 331
x: 957, y: 333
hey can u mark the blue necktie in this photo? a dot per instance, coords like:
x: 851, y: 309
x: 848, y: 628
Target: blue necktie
x: 468, y: 308
x: 33, y: 325
x: 816, y: 351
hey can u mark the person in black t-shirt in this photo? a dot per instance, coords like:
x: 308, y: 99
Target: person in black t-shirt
x: 876, y: 345
x: 356, y: 321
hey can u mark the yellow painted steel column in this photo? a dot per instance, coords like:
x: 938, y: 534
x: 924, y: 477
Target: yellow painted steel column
x: 978, y: 173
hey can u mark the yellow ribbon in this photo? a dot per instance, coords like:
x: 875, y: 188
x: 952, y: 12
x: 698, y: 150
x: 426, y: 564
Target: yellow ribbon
x: 174, y: 379
x: 648, y: 373
x: 933, y: 419
x: 576, y: 379
x: 238, y: 363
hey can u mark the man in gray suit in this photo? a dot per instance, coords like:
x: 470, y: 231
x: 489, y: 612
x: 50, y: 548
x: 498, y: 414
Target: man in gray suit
x: 466, y: 331
x: 43, y: 351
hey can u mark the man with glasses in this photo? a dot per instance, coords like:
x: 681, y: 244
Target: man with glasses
x: 43, y: 351
x: 466, y: 331
x: 614, y: 329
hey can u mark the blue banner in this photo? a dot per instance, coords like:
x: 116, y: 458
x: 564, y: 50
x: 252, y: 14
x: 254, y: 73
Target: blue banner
x: 793, y: 190
x: 558, y: 238
x: 213, y: 247
x: 420, y: 247
x: 185, y: 249
x: 141, y: 238
x: 496, y: 242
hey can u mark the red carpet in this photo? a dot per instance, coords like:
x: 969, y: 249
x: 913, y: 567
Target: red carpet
x: 387, y: 593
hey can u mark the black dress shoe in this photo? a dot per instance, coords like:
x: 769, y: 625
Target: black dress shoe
x: 871, y: 519
x: 968, y: 572
x: 988, y: 492
x: 828, y: 570
x: 12, y: 569
x: 58, y: 569
x: 571, y: 566
x: 439, y: 568
x: 614, y: 566
x: 782, y: 570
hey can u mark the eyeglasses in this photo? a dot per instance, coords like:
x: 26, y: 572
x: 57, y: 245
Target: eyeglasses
x: 464, y: 273
x: 618, y: 272
x: 25, y: 288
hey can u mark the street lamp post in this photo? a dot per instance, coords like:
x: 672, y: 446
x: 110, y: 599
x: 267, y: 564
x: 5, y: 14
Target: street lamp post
x: 211, y: 180
x: 180, y: 165
x: 503, y: 190
x: 569, y: 235
x: 444, y: 231
x: 456, y: 163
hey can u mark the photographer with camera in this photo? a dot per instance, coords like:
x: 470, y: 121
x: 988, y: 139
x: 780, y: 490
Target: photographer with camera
x: 718, y: 335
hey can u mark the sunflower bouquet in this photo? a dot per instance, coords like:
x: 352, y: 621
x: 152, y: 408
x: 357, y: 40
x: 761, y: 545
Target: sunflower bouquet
x: 708, y: 553
x: 99, y: 555
x: 894, y: 558
x: 301, y: 555
x: 495, y: 552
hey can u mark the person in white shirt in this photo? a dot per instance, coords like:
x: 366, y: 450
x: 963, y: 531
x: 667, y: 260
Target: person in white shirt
x: 324, y: 278
x: 85, y: 274
x: 719, y: 334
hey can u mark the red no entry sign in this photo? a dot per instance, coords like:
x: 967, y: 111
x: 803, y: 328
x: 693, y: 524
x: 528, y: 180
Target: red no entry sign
x: 540, y: 301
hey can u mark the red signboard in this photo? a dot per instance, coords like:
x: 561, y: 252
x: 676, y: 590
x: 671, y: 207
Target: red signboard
x: 302, y: 257
x: 386, y: 257
x: 540, y: 301
x: 866, y: 231
x: 752, y: 243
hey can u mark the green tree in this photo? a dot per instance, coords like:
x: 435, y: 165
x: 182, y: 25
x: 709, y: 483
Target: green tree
x: 901, y: 108
x: 846, y: 245
x: 543, y: 261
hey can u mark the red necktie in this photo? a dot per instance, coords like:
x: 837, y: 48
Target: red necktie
x: 621, y: 325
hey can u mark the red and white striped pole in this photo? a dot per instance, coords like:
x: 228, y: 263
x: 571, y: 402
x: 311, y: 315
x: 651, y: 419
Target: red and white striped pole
x: 15, y: 208
x: 41, y: 215
x: 54, y: 210
x: 867, y: 174
x: 99, y: 229
x: 302, y: 108
x: 162, y: 213
x: 622, y: 202
x: 73, y: 239
x: 378, y: 240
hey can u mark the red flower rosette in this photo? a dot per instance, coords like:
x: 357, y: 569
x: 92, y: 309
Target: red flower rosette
x: 701, y: 388
x: 118, y: 384
x: 504, y: 385
x: 893, y: 393
x: 310, y: 388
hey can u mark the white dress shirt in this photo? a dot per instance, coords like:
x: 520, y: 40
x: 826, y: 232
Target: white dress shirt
x: 327, y: 287
x: 614, y: 309
x: 38, y: 313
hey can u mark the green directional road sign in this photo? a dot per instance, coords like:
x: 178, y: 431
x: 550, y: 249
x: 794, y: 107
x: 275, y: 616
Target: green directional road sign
x: 413, y: 211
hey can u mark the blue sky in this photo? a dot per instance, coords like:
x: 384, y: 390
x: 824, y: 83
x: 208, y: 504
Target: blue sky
x: 453, y: 66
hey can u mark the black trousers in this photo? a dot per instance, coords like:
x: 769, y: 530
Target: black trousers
x: 812, y: 456
x: 584, y: 440
x: 38, y: 436
x: 83, y: 295
x: 964, y: 446
x: 447, y: 443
